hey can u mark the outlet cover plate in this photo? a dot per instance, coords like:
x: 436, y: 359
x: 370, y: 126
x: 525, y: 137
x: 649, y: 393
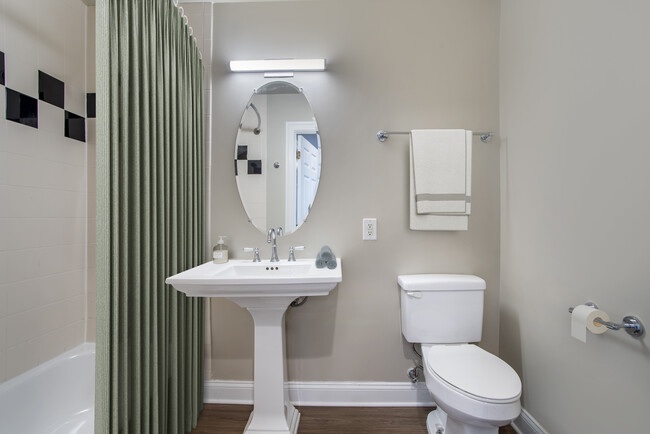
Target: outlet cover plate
x: 369, y: 229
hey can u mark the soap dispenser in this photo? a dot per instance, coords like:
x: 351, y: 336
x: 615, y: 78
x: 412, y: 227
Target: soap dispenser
x: 220, y: 251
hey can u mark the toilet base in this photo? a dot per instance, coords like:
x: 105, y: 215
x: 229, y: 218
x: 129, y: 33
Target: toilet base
x: 436, y: 421
x: 439, y: 423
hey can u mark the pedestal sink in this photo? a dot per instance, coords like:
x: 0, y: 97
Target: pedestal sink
x: 265, y: 289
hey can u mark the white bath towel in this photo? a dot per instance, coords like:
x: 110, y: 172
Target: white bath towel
x: 442, y: 170
x: 440, y: 179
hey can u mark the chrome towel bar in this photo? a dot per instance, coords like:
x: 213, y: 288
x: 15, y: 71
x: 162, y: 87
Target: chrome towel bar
x: 383, y: 135
x: 631, y: 323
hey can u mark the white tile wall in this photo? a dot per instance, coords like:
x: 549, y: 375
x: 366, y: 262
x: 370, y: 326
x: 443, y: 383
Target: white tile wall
x: 75, y: 99
x: 51, y: 23
x: 42, y: 144
x: 75, y: 55
x: 90, y: 49
x: 2, y: 31
x: 91, y: 187
x: 21, y: 76
x: 41, y: 291
x: 19, y: 233
x: 50, y: 118
x: 43, y: 188
x: 21, y: 29
x: 21, y: 358
x: 3, y: 310
x: 3, y: 333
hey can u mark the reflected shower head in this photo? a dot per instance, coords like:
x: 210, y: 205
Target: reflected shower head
x: 257, y: 130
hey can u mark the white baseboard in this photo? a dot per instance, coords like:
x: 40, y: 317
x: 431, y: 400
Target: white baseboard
x: 526, y: 424
x: 326, y: 393
x: 347, y: 394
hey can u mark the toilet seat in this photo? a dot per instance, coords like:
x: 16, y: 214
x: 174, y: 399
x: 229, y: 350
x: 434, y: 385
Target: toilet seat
x: 473, y: 372
x: 467, y: 393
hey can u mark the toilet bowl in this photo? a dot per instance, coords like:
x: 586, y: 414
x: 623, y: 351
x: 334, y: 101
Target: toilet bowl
x: 475, y: 391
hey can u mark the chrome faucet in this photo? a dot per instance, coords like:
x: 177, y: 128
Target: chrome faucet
x: 271, y: 238
x: 292, y: 257
x: 256, y: 253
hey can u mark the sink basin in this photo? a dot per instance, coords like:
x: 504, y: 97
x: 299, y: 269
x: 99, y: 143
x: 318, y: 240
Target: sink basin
x: 241, y: 278
x: 265, y: 289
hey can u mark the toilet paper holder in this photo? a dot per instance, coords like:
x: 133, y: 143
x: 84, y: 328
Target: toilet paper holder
x: 631, y: 323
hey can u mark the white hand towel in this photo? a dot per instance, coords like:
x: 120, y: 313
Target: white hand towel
x: 433, y: 222
x: 442, y: 171
x: 444, y: 221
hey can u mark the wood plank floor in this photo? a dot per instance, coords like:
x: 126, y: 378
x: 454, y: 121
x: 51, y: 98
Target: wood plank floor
x: 231, y: 419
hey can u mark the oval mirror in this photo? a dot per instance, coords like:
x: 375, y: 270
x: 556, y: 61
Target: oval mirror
x: 277, y: 157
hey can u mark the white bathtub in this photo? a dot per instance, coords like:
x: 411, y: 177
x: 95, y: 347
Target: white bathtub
x: 56, y: 397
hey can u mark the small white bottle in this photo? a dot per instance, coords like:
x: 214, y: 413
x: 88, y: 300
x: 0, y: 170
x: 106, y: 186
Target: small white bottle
x: 220, y: 251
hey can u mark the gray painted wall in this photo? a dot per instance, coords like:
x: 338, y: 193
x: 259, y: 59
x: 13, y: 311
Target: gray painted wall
x: 43, y: 189
x: 394, y: 65
x: 574, y: 212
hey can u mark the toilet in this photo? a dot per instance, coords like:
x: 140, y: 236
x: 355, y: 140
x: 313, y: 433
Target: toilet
x: 475, y: 391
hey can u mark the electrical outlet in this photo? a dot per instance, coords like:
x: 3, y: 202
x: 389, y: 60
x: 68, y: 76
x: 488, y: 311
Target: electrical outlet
x: 370, y: 229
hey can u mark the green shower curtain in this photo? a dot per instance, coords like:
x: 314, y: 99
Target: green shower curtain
x: 150, y: 218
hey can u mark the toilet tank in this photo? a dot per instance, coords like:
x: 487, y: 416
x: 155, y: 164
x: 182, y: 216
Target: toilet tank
x: 441, y: 308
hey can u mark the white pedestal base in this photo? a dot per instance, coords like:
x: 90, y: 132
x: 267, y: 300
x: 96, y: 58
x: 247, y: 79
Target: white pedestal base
x: 292, y: 417
x: 272, y: 411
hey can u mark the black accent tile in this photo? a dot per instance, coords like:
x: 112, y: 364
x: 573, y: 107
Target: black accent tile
x: 22, y: 108
x: 90, y: 105
x: 236, y: 170
x: 242, y: 152
x: 50, y: 89
x: 2, y: 68
x: 75, y: 126
x: 254, y: 167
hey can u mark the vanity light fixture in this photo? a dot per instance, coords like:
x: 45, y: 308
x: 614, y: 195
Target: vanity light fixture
x: 277, y: 67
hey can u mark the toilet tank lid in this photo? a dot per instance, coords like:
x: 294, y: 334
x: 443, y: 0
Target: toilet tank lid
x: 440, y: 282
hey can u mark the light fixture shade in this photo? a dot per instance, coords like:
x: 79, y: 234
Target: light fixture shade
x: 271, y: 65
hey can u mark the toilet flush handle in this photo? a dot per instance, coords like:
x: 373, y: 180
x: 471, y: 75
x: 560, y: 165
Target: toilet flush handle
x: 414, y: 294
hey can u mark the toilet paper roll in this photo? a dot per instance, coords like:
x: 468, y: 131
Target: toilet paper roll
x: 582, y: 319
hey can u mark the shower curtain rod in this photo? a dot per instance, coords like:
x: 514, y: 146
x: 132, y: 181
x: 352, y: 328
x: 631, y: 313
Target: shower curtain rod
x: 383, y: 135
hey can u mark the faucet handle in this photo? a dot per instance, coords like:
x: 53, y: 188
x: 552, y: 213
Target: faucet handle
x: 256, y: 258
x: 292, y: 258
